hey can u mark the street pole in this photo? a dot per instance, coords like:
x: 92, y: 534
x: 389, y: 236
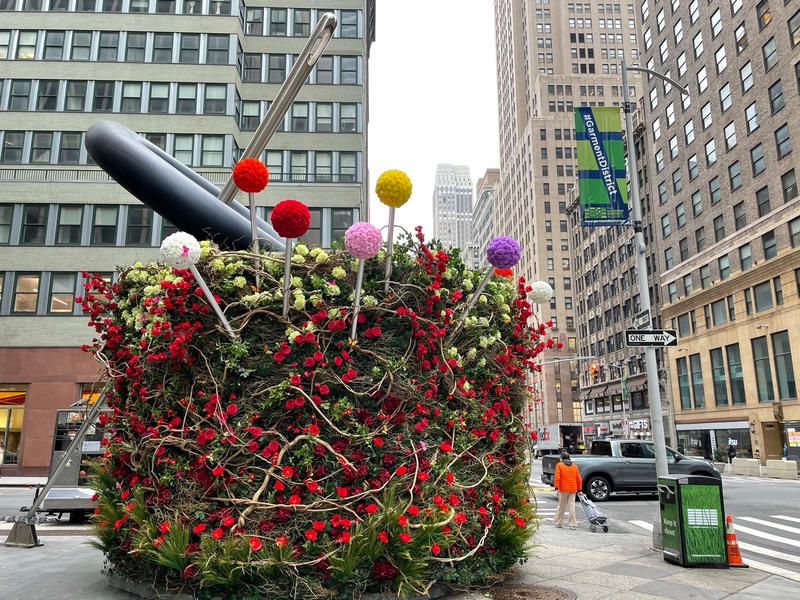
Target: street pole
x: 653, y: 391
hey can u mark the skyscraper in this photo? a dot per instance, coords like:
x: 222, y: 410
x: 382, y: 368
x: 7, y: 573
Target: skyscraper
x: 551, y: 57
x: 452, y: 206
x: 483, y: 213
x: 194, y: 77
x: 727, y: 217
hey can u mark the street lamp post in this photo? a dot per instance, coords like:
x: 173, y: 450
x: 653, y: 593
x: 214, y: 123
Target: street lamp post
x: 656, y: 413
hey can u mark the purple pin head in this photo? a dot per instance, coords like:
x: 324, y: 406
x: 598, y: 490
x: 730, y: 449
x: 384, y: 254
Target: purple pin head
x: 363, y: 240
x: 503, y: 252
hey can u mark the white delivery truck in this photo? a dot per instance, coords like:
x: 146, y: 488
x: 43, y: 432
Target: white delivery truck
x: 557, y: 436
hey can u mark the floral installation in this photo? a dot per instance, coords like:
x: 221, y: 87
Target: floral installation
x: 250, y: 175
x: 294, y: 462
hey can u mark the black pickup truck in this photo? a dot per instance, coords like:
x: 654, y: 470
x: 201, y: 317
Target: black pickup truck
x: 625, y: 466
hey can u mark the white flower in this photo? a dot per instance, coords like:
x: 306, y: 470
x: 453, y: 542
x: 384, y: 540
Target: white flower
x: 180, y: 250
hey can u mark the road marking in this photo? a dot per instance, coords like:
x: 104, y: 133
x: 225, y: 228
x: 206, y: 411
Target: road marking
x: 794, y: 576
x: 769, y: 524
x: 769, y: 552
x: 642, y: 524
x: 793, y: 519
x: 768, y: 536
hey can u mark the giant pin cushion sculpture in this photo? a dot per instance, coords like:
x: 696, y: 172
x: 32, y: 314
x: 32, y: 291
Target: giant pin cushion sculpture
x: 393, y: 189
x: 278, y: 458
x: 291, y: 219
x: 541, y: 292
x: 363, y: 241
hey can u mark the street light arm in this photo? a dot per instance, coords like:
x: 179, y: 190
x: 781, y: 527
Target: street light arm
x: 566, y: 359
x: 683, y: 90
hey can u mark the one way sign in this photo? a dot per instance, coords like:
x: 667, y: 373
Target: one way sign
x: 651, y: 337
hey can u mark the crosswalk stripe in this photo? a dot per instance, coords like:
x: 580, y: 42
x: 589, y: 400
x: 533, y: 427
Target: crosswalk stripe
x: 768, y: 536
x: 769, y: 524
x: 785, y: 518
x: 793, y: 575
x: 747, y: 547
x: 642, y: 524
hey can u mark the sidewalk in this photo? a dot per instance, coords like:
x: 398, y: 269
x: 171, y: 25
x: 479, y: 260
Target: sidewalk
x: 612, y: 566
x: 22, y: 481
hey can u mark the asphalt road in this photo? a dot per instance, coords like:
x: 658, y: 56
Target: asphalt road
x: 766, y: 515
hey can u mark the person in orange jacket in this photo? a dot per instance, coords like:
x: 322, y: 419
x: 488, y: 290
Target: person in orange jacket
x: 567, y: 483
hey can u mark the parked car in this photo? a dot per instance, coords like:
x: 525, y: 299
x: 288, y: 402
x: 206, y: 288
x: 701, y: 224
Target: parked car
x: 625, y: 466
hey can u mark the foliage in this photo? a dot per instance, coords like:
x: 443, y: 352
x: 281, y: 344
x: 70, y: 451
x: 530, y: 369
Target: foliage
x: 295, y: 461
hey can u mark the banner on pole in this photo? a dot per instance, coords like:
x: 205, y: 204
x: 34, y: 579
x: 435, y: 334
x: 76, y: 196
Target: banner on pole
x: 602, y: 184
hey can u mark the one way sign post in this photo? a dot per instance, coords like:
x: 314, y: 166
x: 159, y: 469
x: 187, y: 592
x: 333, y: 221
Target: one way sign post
x: 651, y: 337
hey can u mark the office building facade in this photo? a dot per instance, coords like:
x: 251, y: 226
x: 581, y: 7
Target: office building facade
x: 483, y: 217
x: 452, y: 207
x: 727, y: 216
x: 194, y: 77
x: 552, y: 57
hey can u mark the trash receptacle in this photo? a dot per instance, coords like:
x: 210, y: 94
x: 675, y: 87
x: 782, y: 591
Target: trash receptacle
x: 692, y: 521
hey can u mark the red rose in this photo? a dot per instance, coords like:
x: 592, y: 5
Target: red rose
x: 255, y: 544
x: 371, y: 508
x: 401, y: 470
x: 228, y: 521
x: 344, y: 537
x: 250, y: 175
x: 413, y: 510
x: 198, y: 529
x: 290, y: 218
x: 295, y: 499
x: 217, y: 533
x: 231, y: 409
x: 383, y: 536
x: 311, y: 535
x: 218, y: 470
x: 445, y: 447
x: 436, y: 549
x: 405, y: 538
x: 402, y: 520
x: 460, y: 518
x: 163, y: 527
x: 281, y: 541
x: 318, y: 525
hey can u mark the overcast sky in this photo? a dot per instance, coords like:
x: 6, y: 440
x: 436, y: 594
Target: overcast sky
x: 433, y: 97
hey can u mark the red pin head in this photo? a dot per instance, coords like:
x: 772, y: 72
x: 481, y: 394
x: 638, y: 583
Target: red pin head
x: 250, y: 175
x: 291, y: 218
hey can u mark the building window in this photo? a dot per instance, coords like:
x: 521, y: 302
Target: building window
x: 212, y: 151
x: 275, y: 164
x: 62, y: 293
x: 348, y: 118
x: 53, y: 45
x: 776, y: 100
x: 159, y: 98
x: 298, y: 165
x: 324, y: 117
x: 187, y: 98
x: 718, y: 377
x: 5, y: 37
x: 757, y: 160
x: 215, y: 99
x: 70, y: 221
x: 789, y: 185
x: 770, y: 245
x: 75, y: 96
x: 41, y: 147
x: 325, y: 70
x: 162, y: 47
x: 746, y: 77
x: 190, y: 48
x: 12, y: 147
x: 254, y: 21
x: 277, y: 68
x: 683, y: 248
x: 134, y: 50
x: 719, y: 228
x: 705, y: 276
x: 302, y: 22
x: 109, y: 46
x: 250, y: 116
x: 6, y: 214
x: 131, y: 97
x: 349, y: 70
x: 217, y: 51
x: 783, y: 142
x: 139, y: 230
x: 104, y: 226
x: 300, y: 116
x: 70, y: 151
x: 762, y: 200
x: 19, y: 94
x: 251, y: 67
x: 26, y: 292
x: 719, y: 313
x: 323, y: 167
x: 735, y: 374
x: 347, y: 167
x: 730, y: 135
x: 683, y: 384
x: 349, y: 24
x: 745, y: 257
x: 763, y: 296
x: 724, y: 265
x: 711, y: 150
x: 697, y: 381
x: 277, y: 21
x: 700, y: 238
x: 34, y: 224
x: 766, y: 392
x: 741, y: 38
x: 138, y: 6
x: 48, y: 94
x: 734, y: 176
x: 739, y: 216
x: 341, y: 219
x: 763, y: 13
x: 784, y: 372
x: 725, y: 98
x: 103, y: 96
x: 313, y: 237
x: 770, y: 53
x: 26, y: 45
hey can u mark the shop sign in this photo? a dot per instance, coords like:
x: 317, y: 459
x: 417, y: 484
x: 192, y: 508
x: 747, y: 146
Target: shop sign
x: 588, y: 430
x: 639, y: 425
x: 602, y: 428
x: 616, y: 426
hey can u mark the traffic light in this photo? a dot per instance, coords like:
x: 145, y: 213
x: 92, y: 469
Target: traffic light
x: 594, y: 371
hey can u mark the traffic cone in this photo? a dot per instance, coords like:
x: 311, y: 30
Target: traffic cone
x: 734, y: 555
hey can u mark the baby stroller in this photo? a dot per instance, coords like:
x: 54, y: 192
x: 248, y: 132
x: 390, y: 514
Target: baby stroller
x: 593, y: 515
